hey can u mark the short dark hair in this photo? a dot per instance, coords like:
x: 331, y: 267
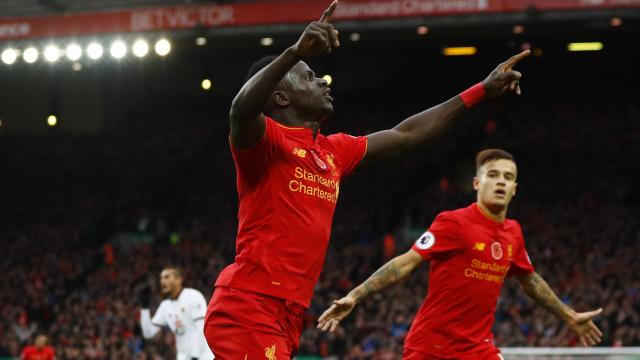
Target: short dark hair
x: 487, y: 155
x: 259, y: 65
x: 176, y: 271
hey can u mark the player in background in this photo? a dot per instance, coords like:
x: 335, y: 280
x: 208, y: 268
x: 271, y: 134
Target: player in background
x: 471, y: 251
x: 183, y: 313
x: 39, y: 350
x: 288, y: 183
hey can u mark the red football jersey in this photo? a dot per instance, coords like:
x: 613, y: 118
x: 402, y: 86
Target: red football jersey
x: 33, y: 353
x: 288, y: 185
x: 470, y: 257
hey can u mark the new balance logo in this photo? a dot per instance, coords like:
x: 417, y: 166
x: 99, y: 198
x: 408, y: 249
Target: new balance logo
x: 479, y: 246
x: 300, y: 152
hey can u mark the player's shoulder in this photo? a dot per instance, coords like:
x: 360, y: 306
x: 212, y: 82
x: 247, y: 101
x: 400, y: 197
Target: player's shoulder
x: 274, y: 125
x: 512, y: 225
x: 273, y: 128
x: 451, y: 215
x: 192, y: 293
x: 445, y: 222
x: 163, y: 304
x: 340, y: 135
x: 338, y: 138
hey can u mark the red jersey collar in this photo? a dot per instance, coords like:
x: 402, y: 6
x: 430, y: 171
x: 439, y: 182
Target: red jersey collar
x: 308, y: 132
x: 484, y: 217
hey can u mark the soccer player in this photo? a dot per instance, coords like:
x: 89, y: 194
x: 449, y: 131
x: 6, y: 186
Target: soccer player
x: 471, y: 251
x: 38, y: 351
x: 288, y: 183
x: 183, y: 313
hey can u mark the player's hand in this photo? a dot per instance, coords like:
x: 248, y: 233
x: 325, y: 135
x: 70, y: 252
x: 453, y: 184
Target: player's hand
x: 330, y: 319
x: 144, y: 297
x: 319, y: 37
x: 582, y: 324
x: 504, y: 78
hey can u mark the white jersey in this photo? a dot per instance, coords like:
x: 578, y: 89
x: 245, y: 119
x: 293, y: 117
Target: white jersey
x: 184, y: 316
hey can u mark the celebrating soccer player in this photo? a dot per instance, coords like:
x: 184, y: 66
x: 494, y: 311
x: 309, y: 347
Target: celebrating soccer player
x: 288, y: 183
x: 39, y: 350
x: 183, y: 313
x: 471, y: 251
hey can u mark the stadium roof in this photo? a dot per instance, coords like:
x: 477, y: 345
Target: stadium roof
x: 13, y: 8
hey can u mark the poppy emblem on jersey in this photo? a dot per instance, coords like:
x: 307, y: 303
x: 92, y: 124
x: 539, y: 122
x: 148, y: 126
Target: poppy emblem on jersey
x: 319, y: 161
x: 496, y: 250
x: 270, y: 352
x: 426, y: 241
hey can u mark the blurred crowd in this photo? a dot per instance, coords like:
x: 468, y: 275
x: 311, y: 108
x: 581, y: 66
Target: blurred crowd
x: 89, y: 220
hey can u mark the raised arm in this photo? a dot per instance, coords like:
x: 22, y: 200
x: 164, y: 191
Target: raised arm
x: 149, y: 329
x: 422, y: 127
x: 246, y: 117
x: 393, y: 271
x: 581, y: 323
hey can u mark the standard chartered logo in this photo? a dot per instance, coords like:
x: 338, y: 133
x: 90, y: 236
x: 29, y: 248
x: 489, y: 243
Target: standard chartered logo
x: 321, y: 187
x: 492, y: 272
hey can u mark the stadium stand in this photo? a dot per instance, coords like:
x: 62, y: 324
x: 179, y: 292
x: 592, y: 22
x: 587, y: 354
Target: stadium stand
x: 100, y: 216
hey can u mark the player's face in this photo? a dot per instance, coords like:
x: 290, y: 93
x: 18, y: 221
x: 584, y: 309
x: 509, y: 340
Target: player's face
x: 309, y: 94
x: 496, y: 183
x: 168, y: 281
x: 41, y: 341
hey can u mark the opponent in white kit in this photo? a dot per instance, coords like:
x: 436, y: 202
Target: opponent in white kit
x: 183, y: 313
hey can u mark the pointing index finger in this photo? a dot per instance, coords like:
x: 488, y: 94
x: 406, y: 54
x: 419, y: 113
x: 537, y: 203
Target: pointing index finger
x: 515, y: 59
x: 326, y: 15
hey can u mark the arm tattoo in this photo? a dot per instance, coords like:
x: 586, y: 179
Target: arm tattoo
x: 383, y: 277
x: 539, y: 290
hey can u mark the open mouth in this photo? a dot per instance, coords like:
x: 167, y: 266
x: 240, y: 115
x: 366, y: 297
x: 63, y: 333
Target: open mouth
x: 500, y: 193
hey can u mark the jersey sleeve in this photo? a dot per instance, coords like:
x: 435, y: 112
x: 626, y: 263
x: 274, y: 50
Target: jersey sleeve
x: 197, y: 306
x: 441, y: 239
x: 251, y: 162
x: 159, y: 318
x: 520, y: 262
x: 351, y: 150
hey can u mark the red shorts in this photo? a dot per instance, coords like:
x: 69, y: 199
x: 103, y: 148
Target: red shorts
x: 244, y: 325
x: 488, y: 354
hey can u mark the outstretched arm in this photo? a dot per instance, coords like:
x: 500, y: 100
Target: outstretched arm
x: 422, y: 127
x: 390, y: 273
x: 581, y: 323
x: 247, y: 120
